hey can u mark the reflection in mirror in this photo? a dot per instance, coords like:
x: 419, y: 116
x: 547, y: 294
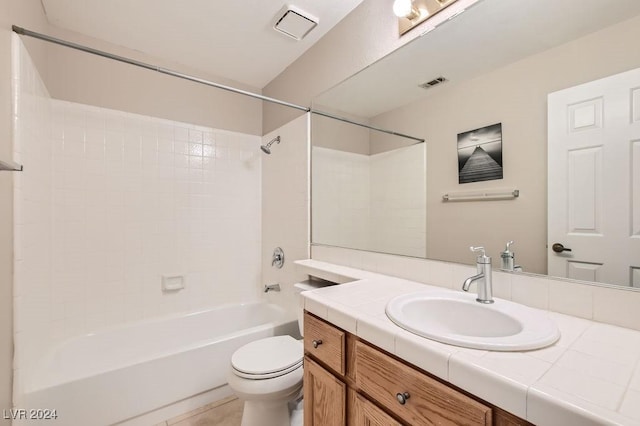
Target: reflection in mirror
x: 501, y: 59
x: 368, y: 188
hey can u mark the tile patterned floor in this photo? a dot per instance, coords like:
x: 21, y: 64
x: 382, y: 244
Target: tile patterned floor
x: 226, y: 412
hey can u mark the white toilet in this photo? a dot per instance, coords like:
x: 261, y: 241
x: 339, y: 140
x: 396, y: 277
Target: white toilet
x: 267, y: 375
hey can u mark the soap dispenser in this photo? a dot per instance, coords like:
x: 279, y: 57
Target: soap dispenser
x: 508, y: 259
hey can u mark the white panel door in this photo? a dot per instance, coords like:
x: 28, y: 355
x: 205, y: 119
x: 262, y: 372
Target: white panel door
x: 594, y: 181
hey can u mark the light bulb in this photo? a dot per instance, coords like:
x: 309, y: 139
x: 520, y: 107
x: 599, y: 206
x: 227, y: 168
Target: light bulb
x: 402, y: 8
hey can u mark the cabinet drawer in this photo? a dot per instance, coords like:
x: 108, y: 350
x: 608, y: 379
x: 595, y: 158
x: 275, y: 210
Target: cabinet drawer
x: 325, y: 343
x: 427, y: 401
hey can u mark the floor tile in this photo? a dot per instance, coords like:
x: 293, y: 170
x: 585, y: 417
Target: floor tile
x: 228, y: 413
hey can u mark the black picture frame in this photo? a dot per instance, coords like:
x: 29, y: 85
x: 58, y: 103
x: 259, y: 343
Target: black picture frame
x: 480, y: 154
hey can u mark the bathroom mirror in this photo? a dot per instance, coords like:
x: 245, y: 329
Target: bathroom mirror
x: 369, y: 188
x: 499, y: 60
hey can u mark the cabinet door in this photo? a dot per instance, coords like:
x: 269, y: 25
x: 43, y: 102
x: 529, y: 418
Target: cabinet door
x: 324, y: 397
x: 367, y: 414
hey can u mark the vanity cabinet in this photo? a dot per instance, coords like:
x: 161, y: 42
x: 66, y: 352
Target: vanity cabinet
x: 325, y: 396
x: 368, y: 414
x: 348, y: 381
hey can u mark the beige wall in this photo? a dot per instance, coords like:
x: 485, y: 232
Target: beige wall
x: 333, y: 134
x: 80, y: 77
x: 366, y: 35
x: 516, y: 96
x: 285, y: 209
x: 27, y: 13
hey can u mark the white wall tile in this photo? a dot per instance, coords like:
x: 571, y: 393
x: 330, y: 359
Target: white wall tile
x: 111, y: 201
x: 382, y: 200
x: 531, y: 291
x: 403, y: 267
x: 572, y: 299
x: 616, y: 307
x: 440, y: 274
x: 502, y: 285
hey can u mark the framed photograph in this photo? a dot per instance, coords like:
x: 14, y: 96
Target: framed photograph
x: 480, y: 154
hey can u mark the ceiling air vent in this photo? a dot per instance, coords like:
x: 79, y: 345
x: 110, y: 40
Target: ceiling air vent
x: 434, y: 82
x: 295, y: 23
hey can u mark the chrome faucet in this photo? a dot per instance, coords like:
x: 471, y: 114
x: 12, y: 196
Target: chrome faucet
x: 483, y: 262
x: 277, y: 258
x: 509, y: 259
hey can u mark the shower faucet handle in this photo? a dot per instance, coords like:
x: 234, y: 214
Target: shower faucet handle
x: 277, y: 259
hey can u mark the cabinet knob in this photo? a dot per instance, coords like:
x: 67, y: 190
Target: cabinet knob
x: 402, y: 397
x: 316, y: 343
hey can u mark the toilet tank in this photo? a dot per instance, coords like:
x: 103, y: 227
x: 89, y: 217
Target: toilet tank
x: 298, y: 288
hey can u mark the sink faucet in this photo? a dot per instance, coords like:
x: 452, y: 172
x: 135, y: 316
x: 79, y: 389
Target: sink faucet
x: 508, y: 259
x: 483, y: 277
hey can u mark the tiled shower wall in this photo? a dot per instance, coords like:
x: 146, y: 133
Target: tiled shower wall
x: 398, y: 187
x: 341, y: 198
x: 370, y: 201
x: 135, y: 198
x: 109, y: 202
x: 33, y: 196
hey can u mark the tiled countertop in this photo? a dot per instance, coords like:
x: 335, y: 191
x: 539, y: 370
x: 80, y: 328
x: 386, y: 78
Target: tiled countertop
x: 591, y: 376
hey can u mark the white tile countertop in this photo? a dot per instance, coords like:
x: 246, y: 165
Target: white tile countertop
x: 591, y: 376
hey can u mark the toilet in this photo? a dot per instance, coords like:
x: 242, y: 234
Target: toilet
x: 267, y: 374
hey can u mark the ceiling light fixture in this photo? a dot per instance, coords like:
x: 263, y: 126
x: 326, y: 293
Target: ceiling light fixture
x: 405, y: 9
x: 411, y: 13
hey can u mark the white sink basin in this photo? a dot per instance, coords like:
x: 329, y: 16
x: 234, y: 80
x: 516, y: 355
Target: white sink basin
x: 457, y: 319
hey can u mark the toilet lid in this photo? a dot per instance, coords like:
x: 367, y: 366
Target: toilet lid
x: 271, y: 357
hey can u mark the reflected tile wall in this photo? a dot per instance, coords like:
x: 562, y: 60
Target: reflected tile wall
x: 381, y: 199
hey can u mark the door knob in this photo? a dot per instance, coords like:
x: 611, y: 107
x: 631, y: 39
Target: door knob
x: 559, y: 248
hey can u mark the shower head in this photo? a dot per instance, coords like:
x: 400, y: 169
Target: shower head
x: 267, y: 148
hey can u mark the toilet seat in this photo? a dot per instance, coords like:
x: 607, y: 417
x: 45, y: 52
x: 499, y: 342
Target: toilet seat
x: 268, y: 358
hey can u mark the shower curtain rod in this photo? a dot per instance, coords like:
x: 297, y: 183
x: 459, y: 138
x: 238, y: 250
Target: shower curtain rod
x: 86, y: 49
x: 346, y: 120
x: 44, y: 37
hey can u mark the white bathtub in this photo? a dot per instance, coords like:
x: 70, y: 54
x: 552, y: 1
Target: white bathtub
x: 113, y: 375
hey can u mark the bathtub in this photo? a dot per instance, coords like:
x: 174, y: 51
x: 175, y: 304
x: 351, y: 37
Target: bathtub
x: 120, y: 373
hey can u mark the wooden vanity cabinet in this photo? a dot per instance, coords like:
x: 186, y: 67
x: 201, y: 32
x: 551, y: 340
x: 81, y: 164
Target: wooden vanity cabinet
x: 347, y: 381
x: 324, y: 397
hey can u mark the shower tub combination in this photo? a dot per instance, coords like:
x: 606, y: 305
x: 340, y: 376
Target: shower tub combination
x: 121, y: 373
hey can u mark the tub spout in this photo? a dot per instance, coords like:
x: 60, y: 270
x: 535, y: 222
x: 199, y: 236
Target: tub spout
x: 271, y: 287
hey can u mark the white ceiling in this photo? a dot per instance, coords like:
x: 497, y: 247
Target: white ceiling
x: 233, y: 39
x: 491, y: 34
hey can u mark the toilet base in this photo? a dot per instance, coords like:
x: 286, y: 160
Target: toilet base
x: 266, y: 402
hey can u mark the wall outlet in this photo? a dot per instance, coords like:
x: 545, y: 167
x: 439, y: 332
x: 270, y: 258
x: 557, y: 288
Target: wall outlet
x: 172, y: 282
